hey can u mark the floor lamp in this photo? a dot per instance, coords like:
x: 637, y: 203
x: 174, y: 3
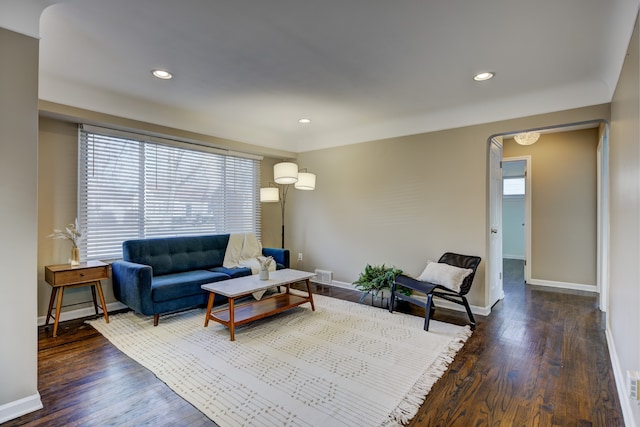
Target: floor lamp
x: 285, y: 174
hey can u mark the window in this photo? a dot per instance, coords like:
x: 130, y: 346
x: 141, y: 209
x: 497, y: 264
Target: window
x: 135, y: 187
x: 513, y: 186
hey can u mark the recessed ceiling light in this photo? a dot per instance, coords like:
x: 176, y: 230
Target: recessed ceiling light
x: 162, y: 74
x: 483, y: 76
x: 304, y: 121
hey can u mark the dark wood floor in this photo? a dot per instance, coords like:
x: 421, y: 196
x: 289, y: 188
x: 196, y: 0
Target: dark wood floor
x: 540, y: 359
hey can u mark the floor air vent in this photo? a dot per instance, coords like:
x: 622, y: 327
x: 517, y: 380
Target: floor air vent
x: 324, y: 276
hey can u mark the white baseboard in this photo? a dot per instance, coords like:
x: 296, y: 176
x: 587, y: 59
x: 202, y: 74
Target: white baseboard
x: 621, y: 382
x: 482, y: 311
x: 81, y: 312
x: 20, y: 407
x: 518, y: 257
x: 337, y: 284
x: 562, y: 285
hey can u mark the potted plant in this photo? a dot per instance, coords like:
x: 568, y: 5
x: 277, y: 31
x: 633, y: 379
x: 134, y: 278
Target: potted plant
x: 72, y: 233
x: 376, y: 278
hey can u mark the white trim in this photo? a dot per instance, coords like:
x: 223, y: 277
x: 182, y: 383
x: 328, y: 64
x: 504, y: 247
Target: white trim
x: 20, y: 407
x: 562, y: 285
x: 604, y: 220
x: 82, y: 312
x: 516, y: 257
x: 620, y: 378
x: 336, y: 284
x: 482, y: 311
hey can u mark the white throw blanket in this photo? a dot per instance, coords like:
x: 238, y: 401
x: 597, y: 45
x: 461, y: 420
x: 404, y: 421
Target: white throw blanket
x: 244, y: 250
x: 234, y: 249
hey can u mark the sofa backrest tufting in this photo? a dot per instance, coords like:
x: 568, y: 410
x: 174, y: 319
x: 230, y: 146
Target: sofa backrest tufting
x: 177, y: 254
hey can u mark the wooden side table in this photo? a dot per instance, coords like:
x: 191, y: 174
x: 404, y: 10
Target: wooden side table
x: 66, y: 276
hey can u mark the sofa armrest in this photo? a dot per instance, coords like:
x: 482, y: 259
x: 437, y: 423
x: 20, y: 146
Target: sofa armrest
x: 132, y: 285
x: 281, y: 256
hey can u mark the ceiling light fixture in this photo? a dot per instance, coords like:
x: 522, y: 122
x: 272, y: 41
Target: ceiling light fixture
x: 481, y: 77
x: 527, y: 138
x: 162, y: 74
x: 304, y: 121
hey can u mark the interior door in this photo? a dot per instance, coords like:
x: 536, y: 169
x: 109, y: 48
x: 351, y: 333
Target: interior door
x: 496, y: 291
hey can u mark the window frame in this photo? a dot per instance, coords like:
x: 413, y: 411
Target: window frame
x: 219, y: 189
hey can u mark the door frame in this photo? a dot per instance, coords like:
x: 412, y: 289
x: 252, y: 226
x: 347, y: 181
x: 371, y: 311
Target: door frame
x: 603, y: 172
x: 603, y: 219
x: 527, y: 211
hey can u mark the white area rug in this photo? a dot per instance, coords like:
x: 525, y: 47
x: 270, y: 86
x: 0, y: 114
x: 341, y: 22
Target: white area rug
x: 345, y: 364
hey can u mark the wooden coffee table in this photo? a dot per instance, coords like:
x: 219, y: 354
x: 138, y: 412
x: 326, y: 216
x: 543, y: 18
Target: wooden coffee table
x: 233, y: 289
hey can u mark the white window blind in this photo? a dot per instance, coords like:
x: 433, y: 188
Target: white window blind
x: 132, y: 188
x: 513, y: 186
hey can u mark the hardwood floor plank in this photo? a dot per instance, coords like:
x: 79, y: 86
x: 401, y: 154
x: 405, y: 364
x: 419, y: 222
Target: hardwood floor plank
x: 539, y: 359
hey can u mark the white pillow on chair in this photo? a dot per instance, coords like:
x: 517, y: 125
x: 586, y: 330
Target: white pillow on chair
x: 446, y: 275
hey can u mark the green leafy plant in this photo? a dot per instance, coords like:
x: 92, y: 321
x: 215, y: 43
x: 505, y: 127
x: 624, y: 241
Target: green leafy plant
x: 375, y: 278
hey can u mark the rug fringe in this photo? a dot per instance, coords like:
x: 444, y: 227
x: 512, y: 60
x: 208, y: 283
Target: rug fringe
x: 411, y: 403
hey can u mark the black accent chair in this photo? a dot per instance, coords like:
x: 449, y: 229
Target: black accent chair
x: 431, y: 289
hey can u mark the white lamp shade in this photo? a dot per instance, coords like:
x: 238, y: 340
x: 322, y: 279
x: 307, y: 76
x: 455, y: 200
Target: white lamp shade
x: 285, y: 173
x: 306, y: 181
x: 269, y: 195
x: 527, y: 138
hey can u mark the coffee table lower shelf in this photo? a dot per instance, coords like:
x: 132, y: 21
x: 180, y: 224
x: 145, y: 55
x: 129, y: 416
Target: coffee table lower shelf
x: 235, y: 315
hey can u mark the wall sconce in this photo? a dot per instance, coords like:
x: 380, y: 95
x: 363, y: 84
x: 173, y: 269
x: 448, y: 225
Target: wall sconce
x: 285, y: 174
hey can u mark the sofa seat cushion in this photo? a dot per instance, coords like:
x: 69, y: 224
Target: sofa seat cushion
x: 179, y: 285
x: 233, y: 272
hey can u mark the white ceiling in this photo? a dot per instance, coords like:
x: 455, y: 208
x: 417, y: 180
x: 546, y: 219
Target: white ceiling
x: 247, y: 70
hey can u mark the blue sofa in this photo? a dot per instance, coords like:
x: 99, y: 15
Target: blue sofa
x: 162, y: 275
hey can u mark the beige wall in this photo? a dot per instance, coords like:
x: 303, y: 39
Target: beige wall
x: 563, y: 206
x: 402, y: 201
x: 18, y: 222
x: 271, y: 212
x: 399, y: 201
x: 624, y: 297
x: 58, y: 207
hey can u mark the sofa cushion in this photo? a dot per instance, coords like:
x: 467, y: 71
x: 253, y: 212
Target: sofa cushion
x: 233, y: 272
x: 177, y: 254
x: 179, y: 285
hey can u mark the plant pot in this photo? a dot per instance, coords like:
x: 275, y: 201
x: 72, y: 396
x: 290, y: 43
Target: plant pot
x: 263, y: 274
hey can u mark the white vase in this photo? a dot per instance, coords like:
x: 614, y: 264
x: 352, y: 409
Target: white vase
x: 264, y: 274
x: 75, y: 256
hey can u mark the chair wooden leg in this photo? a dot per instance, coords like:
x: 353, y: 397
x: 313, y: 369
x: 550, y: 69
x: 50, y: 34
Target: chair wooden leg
x: 427, y: 314
x: 156, y: 318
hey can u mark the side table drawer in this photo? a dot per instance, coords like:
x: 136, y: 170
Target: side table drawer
x: 81, y: 275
